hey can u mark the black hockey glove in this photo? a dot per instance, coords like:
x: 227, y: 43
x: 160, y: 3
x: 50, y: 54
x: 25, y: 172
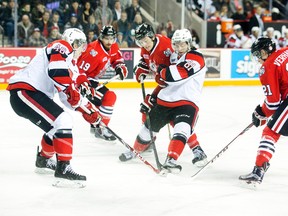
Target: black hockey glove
x: 148, y: 103
x: 258, y: 117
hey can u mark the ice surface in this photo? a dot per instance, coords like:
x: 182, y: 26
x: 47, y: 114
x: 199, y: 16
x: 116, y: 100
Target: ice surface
x: 132, y: 188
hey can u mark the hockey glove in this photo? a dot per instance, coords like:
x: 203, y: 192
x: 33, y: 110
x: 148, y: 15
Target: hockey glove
x: 85, y: 87
x: 258, y: 117
x: 149, y: 102
x: 90, y: 114
x: 73, y: 95
x: 121, y: 70
x: 141, y: 70
x: 160, y: 81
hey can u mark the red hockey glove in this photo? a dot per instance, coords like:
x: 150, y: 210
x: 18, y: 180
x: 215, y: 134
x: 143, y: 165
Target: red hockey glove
x: 258, y: 117
x: 121, y: 70
x: 141, y: 70
x: 73, y: 95
x: 90, y: 114
x: 160, y: 81
x: 85, y: 87
x: 148, y: 103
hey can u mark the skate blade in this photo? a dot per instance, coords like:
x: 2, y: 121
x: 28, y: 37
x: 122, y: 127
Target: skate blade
x: 65, y: 183
x: 201, y: 163
x: 252, y: 185
x: 44, y: 171
x: 165, y: 171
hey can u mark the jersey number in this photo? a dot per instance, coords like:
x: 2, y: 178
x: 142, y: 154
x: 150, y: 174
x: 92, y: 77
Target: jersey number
x: 267, y: 90
x: 84, y: 66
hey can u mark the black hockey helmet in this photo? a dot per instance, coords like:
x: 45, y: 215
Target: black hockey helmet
x: 107, y: 31
x: 144, y: 30
x: 262, y: 43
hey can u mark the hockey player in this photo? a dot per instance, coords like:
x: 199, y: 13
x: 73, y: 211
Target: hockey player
x: 156, y: 51
x: 274, y: 80
x: 31, y: 96
x: 92, y: 64
x: 237, y: 39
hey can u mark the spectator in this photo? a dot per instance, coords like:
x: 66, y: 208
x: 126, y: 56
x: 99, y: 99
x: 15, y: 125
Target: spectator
x: 235, y: 4
x: 54, y: 34
x: 125, y: 3
x: 45, y: 24
x: 122, y: 25
x: 91, y: 36
x: 25, y: 28
x: 255, y: 34
x: 117, y: 10
x: 56, y: 21
x: 164, y: 32
x: 133, y: 10
x: 283, y: 41
x: 36, y: 39
x: 122, y: 43
x: 248, y: 8
x: 7, y: 20
x: 275, y: 14
x: 73, y: 23
x: 75, y: 10
x: 131, y: 39
x: 195, y: 39
x: 25, y: 9
x: 239, y: 14
x: 87, y: 12
x: 37, y: 12
x: 108, y: 13
x: 170, y: 28
x: 256, y: 20
x: 137, y: 21
x: 224, y: 12
x: 92, y: 26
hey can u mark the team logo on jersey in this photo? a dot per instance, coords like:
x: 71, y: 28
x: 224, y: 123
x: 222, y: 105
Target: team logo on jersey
x: 145, y: 56
x: 152, y: 66
x: 93, y: 52
x: 167, y: 52
x: 261, y: 71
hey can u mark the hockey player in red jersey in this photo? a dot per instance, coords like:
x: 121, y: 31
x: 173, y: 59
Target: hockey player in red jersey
x: 274, y: 79
x: 31, y: 96
x: 93, y: 63
x: 157, y: 52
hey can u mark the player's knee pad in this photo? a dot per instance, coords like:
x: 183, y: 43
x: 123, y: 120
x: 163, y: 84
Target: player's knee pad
x: 182, y: 130
x: 109, y: 98
x: 63, y: 121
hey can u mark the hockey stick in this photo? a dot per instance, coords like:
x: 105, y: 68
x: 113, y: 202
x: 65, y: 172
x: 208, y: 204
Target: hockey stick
x: 106, y: 82
x: 159, y: 165
x: 220, y: 152
x: 132, y: 150
x: 125, y: 144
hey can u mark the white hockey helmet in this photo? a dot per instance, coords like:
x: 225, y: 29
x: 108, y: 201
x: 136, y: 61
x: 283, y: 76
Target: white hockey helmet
x: 74, y: 36
x: 182, y: 35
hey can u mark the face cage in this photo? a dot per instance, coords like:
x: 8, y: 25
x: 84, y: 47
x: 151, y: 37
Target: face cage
x: 256, y: 55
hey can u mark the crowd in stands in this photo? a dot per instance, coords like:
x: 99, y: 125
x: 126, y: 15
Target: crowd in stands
x: 40, y: 22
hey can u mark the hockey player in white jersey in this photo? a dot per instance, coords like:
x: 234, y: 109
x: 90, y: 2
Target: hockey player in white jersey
x: 178, y: 101
x: 31, y: 96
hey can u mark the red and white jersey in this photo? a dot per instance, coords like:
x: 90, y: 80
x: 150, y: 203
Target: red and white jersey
x: 48, y: 71
x: 283, y: 42
x: 185, y: 81
x: 274, y: 79
x: 160, y: 53
x: 96, y: 60
x: 235, y: 42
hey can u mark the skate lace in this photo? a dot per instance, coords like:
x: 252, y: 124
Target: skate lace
x: 51, y: 163
x: 198, y: 153
x: 70, y: 170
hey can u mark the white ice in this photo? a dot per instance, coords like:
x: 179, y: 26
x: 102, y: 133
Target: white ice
x: 132, y: 188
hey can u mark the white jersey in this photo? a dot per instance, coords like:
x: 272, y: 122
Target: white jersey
x: 48, y: 71
x: 185, y: 81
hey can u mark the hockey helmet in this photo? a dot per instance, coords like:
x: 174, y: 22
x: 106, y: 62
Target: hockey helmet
x: 144, y: 30
x: 107, y: 31
x: 262, y: 43
x: 74, y: 36
x: 182, y: 35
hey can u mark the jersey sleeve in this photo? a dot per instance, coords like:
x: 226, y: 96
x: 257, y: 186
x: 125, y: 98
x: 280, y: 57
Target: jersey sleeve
x: 60, y: 55
x: 187, y: 66
x: 116, y: 56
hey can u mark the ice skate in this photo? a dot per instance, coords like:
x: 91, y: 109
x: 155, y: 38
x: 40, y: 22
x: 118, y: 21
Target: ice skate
x: 67, y: 177
x: 171, y: 166
x: 200, y: 158
x: 44, y: 165
x: 129, y: 155
x: 256, y: 176
x: 104, y: 134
